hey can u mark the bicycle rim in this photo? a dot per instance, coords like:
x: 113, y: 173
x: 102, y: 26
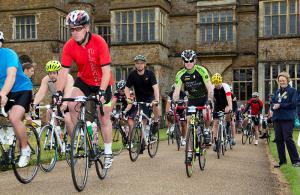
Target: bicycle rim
x: 153, y: 144
x: 27, y: 173
x: 189, y: 148
x: 135, y: 143
x: 48, y: 142
x: 79, y: 157
x: 177, y: 136
x: 244, y: 137
x: 251, y: 136
x: 117, y: 142
x: 99, y: 164
x: 202, y: 153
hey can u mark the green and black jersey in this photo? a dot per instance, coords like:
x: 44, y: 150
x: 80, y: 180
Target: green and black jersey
x: 194, y: 81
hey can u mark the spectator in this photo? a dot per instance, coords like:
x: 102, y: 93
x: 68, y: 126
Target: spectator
x: 284, y: 110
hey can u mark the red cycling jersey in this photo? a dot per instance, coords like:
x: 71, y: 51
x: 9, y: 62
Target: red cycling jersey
x: 89, y: 59
x: 256, y: 106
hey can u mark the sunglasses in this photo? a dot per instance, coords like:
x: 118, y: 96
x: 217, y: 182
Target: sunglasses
x: 188, y: 61
x: 77, y: 29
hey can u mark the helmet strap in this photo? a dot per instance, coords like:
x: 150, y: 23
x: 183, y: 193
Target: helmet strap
x: 86, y: 36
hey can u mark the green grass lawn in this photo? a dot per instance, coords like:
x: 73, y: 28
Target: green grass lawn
x: 291, y: 174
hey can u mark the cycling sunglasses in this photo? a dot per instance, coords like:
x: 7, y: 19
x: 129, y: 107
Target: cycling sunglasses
x: 77, y: 29
x: 189, y: 61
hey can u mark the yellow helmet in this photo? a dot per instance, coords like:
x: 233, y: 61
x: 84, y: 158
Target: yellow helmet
x: 53, y: 66
x: 216, y: 79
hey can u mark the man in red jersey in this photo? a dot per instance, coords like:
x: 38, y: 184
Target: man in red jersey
x: 256, y: 107
x: 91, y: 55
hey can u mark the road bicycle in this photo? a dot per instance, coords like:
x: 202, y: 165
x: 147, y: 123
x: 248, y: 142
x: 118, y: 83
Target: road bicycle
x: 195, y: 140
x: 10, y: 152
x: 223, y: 134
x: 120, y: 130
x: 54, y: 142
x: 85, y: 151
x: 143, y: 135
x: 248, y: 131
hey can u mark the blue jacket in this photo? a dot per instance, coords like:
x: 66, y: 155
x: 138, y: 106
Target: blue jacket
x: 288, y: 103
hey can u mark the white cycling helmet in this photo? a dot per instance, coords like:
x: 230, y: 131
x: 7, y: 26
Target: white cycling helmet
x: 77, y: 18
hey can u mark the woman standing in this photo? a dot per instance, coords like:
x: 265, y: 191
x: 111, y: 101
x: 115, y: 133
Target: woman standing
x: 284, y: 107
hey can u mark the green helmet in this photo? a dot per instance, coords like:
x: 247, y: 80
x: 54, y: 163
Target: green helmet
x: 53, y: 66
x: 140, y: 58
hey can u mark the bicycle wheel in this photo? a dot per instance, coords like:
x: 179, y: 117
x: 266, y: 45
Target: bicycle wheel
x: 117, y: 141
x: 153, y: 143
x: 79, y: 156
x: 244, y: 135
x: 251, y: 136
x: 27, y: 173
x: 177, y: 135
x: 67, y: 142
x: 189, y: 152
x: 135, y: 143
x: 48, y: 142
x: 202, y: 152
x: 219, y: 144
x: 99, y: 164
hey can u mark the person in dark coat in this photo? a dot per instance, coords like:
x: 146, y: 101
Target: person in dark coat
x: 284, y: 111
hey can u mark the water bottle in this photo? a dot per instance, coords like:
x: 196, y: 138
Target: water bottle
x: 95, y: 132
x: 89, y: 128
x: 206, y: 135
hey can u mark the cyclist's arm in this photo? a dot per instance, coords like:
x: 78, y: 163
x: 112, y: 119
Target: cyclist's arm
x: 229, y: 101
x: 168, y: 105
x: 69, y: 87
x: 127, y: 92
x: 105, y: 77
x: 39, y: 96
x: 113, y: 102
x: 9, y: 81
x: 62, y: 78
x: 210, y: 91
x: 156, y: 92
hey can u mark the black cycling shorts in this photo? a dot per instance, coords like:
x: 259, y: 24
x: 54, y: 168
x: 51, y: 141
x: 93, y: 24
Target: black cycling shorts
x: 21, y: 98
x: 88, y: 89
x: 255, y: 120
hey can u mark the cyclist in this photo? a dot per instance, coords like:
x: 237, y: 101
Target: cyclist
x: 256, y: 108
x: 222, y: 102
x: 49, y: 82
x: 146, y: 90
x: 15, y: 85
x: 120, y: 102
x: 170, y: 106
x: 28, y: 69
x: 196, y: 81
x: 91, y: 55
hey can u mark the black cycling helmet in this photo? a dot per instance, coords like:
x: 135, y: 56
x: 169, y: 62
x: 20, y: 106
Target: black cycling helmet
x: 121, y: 85
x: 188, y: 55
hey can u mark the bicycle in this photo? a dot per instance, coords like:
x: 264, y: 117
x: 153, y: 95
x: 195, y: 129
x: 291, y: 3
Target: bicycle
x: 53, y: 141
x: 265, y: 126
x: 223, y: 139
x: 174, y: 130
x: 10, y: 152
x: 248, y: 132
x: 195, y: 143
x: 119, y: 130
x: 139, y: 133
x: 82, y: 145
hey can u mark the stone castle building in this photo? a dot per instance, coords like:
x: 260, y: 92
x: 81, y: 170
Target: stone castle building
x: 247, y: 41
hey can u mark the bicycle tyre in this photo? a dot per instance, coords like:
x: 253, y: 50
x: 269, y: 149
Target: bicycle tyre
x: 218, y: 144
x: 202, y: 153
x: 244, y: 136
x: 153, y: 144
x: 189, y: 148
x: 177, y: 136
x: 79, y: 151
x: 251, y: 136
x: 135, y: 143
x: 32, y: 168
x: 99, y: 164
x: 46, y: 149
